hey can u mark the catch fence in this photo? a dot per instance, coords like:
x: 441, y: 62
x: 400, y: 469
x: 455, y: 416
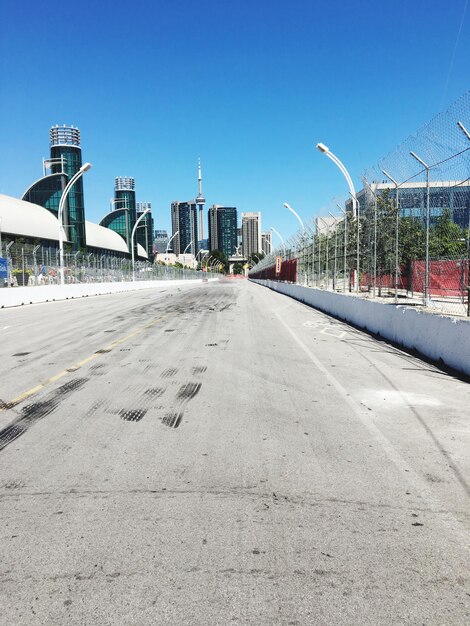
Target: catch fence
x: 34, y: 265
x: 409, y: 239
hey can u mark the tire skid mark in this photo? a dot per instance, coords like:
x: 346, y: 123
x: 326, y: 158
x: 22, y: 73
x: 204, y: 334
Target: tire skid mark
x: 169, y: 373
x: 32, y: 413
x: 154, y: 392
x: 132, y: 415
x: 185, y: 394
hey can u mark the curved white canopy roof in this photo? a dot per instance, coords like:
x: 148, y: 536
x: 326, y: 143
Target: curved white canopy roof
x: 27, y: 219
x: 141, y: 253
x: 100, y: 237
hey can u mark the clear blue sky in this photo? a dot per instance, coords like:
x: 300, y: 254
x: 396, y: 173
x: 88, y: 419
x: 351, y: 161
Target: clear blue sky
x: 250, y: 86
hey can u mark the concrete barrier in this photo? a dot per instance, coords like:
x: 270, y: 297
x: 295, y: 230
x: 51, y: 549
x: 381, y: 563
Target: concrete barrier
x: 17, y: 296
x: 440, y: 338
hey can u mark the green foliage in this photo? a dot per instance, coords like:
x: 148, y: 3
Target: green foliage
x: 218, y: 254
x: 256, y: 257
x: 238, y: 268
x: 17, y: 272
x: 446, y: 239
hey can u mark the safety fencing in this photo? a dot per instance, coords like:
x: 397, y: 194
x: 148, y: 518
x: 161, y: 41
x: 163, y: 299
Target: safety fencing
x: 37, y: 265
x: 406, y: 237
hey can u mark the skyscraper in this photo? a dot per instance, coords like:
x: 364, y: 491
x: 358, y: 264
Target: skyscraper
x: 184, y: 222
x: 123, y: 213
x: 251, y: 233
x: 223, y: 229
x: 266, y: 244
x: 161, y: 241
x: 65, y: 161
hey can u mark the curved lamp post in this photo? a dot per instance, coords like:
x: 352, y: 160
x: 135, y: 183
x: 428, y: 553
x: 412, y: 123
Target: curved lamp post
x: 282, y: 240
x: 171, y: 239
x: 85, y: 167
x: 132, y: 238
x: 352, y: 191
x: 189, y: 244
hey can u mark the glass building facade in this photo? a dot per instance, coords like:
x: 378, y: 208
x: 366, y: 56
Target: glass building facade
x: 118, y: 220
x: 161, y: 241
x: 144, y: 233
x: 412, y: 200
x: 66, y: 157
x: 184, y: 221
x: 47, y: 192
x: 223, y: 229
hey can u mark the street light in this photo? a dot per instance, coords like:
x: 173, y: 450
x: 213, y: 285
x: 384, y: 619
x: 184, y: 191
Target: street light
x: 426, y: 269
x: 325, y: 150
x: 85, y: 167
x: 189, y: 244
x: 171, y: 239
x: 132, y: 239
x: 282, y: 240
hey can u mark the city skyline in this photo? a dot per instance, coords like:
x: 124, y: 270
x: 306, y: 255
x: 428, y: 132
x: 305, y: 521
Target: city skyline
x: 283, y: 79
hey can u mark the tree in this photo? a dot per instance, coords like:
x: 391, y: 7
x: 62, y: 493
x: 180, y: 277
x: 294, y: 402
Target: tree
x: 446, y: 238
x: 256, y: 257
x: 219, y: 255
x: 237, y: 268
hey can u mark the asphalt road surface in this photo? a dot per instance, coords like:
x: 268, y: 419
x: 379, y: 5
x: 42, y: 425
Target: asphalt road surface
x: 221, y: 454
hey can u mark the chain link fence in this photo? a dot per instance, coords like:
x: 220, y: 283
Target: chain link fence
x: 410, y: 240
x: 30, y: 265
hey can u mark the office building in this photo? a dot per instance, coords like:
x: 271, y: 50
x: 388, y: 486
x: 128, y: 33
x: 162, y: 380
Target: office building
x: 223, y: 229
x: 266, y: 244
x: 161, y: 241
x: 451, y: 195
x: 184, y: 226
x: 251, y: 233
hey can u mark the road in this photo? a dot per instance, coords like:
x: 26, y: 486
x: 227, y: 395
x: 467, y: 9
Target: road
x: 222, y: 454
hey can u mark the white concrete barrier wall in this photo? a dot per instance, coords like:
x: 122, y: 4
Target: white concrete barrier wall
x: 437, y: 337
x: 17, y: 296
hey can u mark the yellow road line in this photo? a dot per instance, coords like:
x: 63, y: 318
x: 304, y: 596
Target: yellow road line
x: 76, y: 366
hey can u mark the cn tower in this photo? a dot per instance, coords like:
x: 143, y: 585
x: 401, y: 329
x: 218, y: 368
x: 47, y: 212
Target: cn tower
x: 200, y: 201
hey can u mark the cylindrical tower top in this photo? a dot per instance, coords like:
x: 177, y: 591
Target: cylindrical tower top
x: 124, y: 183
x: 65, y: 136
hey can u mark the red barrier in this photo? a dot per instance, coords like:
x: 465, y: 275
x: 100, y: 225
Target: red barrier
x: 288, y: 272
x: 446, y: 278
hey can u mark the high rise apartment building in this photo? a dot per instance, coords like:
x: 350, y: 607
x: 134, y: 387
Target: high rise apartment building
x: 266, y: 243
x: 184, y: 226
x: 223, y: 229
x: 251, y: 233
x: 161, y: 241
